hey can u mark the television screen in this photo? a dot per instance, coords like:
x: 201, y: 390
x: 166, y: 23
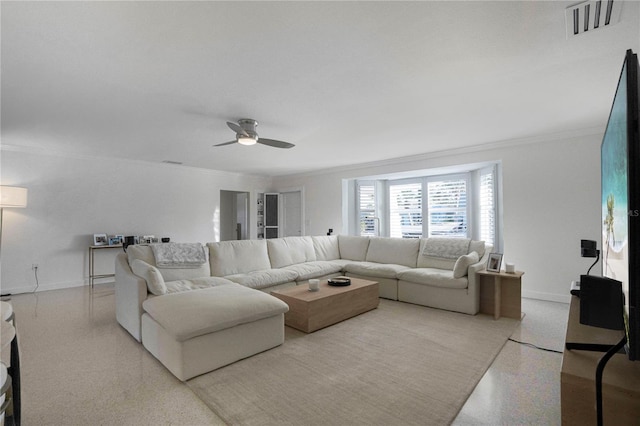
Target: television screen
x: 620, y: 156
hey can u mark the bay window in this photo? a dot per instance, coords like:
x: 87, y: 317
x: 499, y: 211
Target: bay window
x: 457, y: 205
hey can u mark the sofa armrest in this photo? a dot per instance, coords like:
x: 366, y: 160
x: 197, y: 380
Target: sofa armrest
x: 131, y: 291
x: 473, y: 288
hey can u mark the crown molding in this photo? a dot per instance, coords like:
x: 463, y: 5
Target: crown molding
x: 490, y: 146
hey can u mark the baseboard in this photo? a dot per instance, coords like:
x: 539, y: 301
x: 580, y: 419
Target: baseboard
x: 549, y: 297
x: 47, y: 287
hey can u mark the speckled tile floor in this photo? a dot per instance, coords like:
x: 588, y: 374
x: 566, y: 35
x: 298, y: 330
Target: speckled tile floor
x: 80, y: 367
x: 522, y: 386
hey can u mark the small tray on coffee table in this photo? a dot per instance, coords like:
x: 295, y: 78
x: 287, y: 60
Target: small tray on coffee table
x: 339, y: 281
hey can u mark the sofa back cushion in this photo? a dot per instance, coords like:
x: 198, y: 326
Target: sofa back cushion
x: 326, y: 247
x: 353, y: 247
x: 445, y: 263
x: 145, y: 253
x: 290, y: 251
x: 238, y: 257
x: 398, y: 251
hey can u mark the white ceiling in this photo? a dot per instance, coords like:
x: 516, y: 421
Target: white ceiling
x: 347, y: 82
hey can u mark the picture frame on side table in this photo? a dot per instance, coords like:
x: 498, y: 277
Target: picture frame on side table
x: 495, y: 262
x: 100, y: 240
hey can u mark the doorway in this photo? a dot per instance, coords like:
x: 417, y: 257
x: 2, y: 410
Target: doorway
x: 234, y: 215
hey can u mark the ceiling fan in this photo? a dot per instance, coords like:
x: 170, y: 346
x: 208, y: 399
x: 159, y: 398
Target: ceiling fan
x: 246, y: 135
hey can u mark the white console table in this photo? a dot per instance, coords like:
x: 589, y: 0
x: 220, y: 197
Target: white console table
x: 92, y: 274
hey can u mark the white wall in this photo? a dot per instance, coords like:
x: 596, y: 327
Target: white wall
x: 551, y: 192
x: 70, y: 199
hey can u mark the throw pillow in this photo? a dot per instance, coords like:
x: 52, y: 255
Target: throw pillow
x: 155, y: 282
x: 463, y: 263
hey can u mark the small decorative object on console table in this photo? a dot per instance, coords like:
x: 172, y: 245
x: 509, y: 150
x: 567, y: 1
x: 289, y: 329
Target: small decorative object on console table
x: 100, y: 239
x: 501, y: 293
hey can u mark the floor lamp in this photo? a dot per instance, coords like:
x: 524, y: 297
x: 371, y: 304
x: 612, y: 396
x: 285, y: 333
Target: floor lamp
x: 11, y: 197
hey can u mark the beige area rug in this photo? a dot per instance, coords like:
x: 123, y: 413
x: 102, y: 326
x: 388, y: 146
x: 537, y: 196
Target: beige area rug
x: 398, y: 364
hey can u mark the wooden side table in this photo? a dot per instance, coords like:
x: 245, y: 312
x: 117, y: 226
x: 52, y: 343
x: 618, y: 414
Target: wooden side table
x: 501, y: 294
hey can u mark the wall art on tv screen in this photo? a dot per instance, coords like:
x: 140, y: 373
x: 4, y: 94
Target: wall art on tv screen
x: 620, y: 197
x: 615, y: 187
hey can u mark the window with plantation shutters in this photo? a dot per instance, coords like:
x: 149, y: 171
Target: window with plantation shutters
x: 405, y: 210
x: 462, y: 204
x: 447, y: 208
x: 367, y: 209
x: 487, y: 201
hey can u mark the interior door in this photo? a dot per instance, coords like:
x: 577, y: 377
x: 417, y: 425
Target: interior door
x: 291, y: 213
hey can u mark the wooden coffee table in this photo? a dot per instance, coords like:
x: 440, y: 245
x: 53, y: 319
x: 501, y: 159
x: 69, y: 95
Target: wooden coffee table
x: 312, y: 310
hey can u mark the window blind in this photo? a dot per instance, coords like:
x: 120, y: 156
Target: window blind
x: 447, y: 208
x: 487, y: 206
x: 367, y: 209
x: 405, y: 210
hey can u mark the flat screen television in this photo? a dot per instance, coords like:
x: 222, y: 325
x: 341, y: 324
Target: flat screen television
x: 620, y: 197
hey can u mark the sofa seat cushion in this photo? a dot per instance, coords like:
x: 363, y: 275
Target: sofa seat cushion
x: 262, y: 279
x: 372, y: 269
x: 342, y: 263
x: 434, y: 277
x: 195, y: 284
x: 309, y: 270
x: 190, y: 314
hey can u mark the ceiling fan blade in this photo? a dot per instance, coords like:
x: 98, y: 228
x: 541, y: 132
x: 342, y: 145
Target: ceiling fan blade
x: 274, y: 143
x: 236, y: 128
x: 226, y: 143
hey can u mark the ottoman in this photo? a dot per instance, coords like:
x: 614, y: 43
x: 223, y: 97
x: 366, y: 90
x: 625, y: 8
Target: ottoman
x: 194, y: 332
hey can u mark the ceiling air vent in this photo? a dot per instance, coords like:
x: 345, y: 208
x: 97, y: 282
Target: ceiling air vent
x: 591, y: 15
x: 172, y: 162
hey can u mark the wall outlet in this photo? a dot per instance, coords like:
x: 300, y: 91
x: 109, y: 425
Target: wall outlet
x: 34, y: 266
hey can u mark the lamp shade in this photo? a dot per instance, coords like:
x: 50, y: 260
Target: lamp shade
x: 13, y: 196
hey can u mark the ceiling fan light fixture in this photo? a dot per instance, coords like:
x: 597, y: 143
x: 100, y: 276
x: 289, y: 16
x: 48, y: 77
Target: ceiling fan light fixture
x: 247, y: 140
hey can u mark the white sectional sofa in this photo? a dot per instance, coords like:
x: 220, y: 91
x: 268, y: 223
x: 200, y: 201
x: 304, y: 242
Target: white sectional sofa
x: 152, y: 301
